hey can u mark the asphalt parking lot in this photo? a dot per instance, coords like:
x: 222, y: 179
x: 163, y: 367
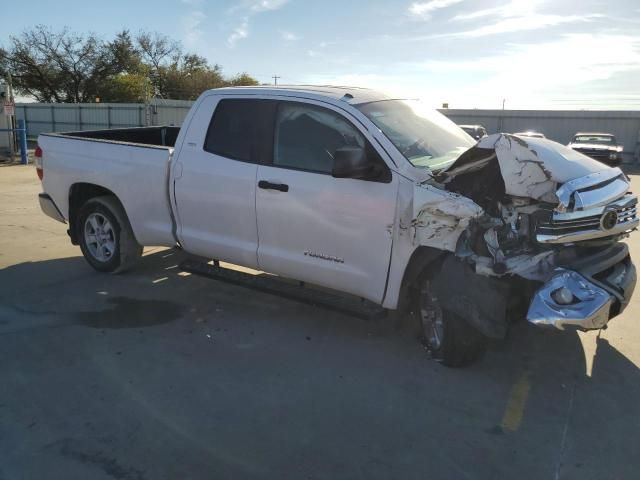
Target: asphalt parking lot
x: 157, y: 374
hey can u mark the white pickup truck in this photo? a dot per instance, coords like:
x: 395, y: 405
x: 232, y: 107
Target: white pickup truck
x: 368, y: 195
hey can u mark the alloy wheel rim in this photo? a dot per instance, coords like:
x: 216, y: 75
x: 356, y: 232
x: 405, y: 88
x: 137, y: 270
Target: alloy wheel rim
x: 99, y: 237
x: 431, y: 317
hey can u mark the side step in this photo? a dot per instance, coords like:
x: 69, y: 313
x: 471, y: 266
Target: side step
x: 290, y: 290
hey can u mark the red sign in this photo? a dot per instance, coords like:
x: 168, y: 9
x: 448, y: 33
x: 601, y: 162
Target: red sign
x: 9, y: 108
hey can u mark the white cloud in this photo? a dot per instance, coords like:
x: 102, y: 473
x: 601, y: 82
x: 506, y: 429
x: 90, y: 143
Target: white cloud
x: 240, y: 32
x: 515, y: 8
x: 528, y: 72
x: 265, y: 5
x: 288, y: 36
x: 515, y: 16
x: 191, y: 23
x: 249, y: 8
x: 565, y: 73
x: 534, y: 21
x: 424, y: 9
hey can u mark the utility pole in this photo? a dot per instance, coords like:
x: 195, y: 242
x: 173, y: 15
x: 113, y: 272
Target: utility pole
x: 501, y: 122
x: 275, y: 80
x: 11, y: 118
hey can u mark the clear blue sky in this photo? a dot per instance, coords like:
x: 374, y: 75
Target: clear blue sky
x: 535, y: 54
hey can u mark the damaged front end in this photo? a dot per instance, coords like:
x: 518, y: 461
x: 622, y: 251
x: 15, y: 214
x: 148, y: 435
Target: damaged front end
x: 540, y: 219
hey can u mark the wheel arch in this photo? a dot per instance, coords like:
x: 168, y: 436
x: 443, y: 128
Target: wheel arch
x: 79, y: 194
x: 421, y: 259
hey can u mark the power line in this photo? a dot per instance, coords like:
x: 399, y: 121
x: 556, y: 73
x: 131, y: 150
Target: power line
x: 275, y: 80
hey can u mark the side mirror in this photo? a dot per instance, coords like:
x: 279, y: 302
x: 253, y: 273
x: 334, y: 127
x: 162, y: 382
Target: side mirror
x: 351, y: 162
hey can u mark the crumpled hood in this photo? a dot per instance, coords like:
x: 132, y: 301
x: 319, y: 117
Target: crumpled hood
x: 531, y: 167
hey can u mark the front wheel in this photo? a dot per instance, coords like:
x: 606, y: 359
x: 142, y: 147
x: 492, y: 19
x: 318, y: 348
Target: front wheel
x: 105, y: 236
x: 447, y: 336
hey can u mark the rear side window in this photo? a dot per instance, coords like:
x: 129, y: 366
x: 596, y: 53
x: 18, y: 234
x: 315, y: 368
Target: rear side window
x: 241, y: 130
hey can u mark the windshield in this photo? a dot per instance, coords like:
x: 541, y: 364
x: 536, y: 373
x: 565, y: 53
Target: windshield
x: 424, y: 136
x: 607, y: 139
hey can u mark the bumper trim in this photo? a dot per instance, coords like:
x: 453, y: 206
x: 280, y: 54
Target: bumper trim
x: 602, y: 285
x: 593, y: 234
x: 590, y: 311
x: 49, y: 207
x: 581, y: 225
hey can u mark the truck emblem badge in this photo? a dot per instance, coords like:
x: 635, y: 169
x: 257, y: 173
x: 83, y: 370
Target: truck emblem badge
x: 323, y: 257
x: 609, y: 219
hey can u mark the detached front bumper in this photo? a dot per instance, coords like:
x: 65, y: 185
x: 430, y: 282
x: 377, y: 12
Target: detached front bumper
x: 601, y: 286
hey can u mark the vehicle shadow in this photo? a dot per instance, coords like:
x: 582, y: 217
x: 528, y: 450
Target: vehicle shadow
x: 315, y: 385
x: 578, y: 393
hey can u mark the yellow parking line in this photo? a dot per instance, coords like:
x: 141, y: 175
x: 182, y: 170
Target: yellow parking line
x: 514, y: 410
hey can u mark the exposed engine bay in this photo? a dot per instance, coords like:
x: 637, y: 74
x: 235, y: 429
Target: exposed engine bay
x: 527, y: 211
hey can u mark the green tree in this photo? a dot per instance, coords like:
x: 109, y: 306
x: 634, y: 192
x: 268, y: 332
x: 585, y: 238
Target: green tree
x: 161, y: 55
x: 58, y: 66
x: 64, y: 66
x: 126, y: 88
x: 4, y: 63
x: 243, y: 79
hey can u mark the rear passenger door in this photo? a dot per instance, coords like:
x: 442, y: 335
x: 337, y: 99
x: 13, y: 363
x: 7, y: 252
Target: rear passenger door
x: 215, y: 178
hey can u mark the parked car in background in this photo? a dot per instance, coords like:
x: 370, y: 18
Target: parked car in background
x: 599, y: 146
x: 531, y: 134
x: 476, y: 131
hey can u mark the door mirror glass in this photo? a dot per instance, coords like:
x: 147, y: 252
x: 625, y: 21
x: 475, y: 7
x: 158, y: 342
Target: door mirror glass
x: 351, y: 162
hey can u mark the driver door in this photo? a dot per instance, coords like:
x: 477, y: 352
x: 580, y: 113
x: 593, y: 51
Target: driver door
x: 333, y: 232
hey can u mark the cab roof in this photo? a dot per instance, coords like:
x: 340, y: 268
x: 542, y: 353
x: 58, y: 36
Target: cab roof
x: 352, y: 95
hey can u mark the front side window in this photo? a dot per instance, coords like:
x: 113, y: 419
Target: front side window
x: 240, y: 130
x: 425, y: 137
x: 306, y: 137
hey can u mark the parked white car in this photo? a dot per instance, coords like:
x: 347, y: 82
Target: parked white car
x: 379, y: 198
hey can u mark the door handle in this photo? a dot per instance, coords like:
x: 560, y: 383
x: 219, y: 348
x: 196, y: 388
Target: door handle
x: 282, y: 187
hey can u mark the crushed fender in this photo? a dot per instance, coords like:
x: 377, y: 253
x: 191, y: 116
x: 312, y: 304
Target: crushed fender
x: 440, y: 217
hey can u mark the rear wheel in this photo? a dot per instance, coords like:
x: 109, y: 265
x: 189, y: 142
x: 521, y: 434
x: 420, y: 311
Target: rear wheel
x: 105, y: 236
x: 447, y: 336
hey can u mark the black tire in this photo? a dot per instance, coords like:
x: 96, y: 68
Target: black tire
x: 125, y: 250
x: 459, y: 343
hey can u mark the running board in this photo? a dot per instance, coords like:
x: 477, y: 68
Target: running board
x: 290, y: 290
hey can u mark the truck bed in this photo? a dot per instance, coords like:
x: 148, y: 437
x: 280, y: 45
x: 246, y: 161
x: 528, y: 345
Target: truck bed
x: 161, y: 136
x: 131, y: 163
